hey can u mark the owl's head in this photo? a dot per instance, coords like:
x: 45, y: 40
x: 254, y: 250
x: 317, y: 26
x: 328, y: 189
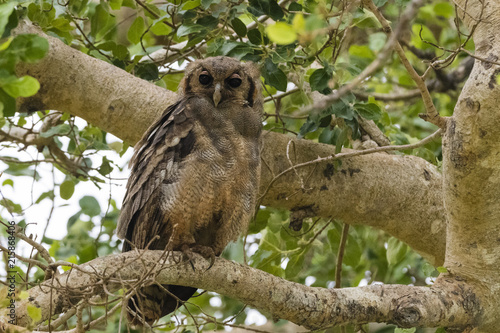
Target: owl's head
x: 223, y: 80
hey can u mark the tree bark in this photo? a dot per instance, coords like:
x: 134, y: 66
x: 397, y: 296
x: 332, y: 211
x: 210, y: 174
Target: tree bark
x: 471, y: 160
x: 398, y: 194
x: 311, y: 307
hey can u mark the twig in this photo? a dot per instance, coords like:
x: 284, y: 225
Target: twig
x: 43, y: 251
x: 281, y: 95
x: 340, y: 255
x: 27, y: 260
x: 59, y: 321
x: 431, y: 113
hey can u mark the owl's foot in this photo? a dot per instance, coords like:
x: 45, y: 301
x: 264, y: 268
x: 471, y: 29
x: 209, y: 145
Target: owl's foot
x: 206, y: 251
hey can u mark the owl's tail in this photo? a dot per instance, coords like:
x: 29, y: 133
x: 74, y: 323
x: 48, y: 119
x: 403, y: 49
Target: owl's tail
x: 151, y: 303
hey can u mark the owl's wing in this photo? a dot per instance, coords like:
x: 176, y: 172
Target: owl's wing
x: 156, y: 161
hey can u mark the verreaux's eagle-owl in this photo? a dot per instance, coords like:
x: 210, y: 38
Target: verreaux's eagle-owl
x: 195, y: 173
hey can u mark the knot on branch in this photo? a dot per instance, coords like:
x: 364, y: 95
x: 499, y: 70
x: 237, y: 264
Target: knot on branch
x: 407, y: 315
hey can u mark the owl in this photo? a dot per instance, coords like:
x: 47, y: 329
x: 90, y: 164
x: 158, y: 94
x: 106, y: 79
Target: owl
x: 195, y: 174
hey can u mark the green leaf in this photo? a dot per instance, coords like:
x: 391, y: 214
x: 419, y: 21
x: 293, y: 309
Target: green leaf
x: 191, y: 4
x: 87, y: 253
x: 24, y: 86
x: 42, y: 13
x: 8, y: 103
x: 208, y: 22
x: 255, y: 36
x: 341, y: 138
x: 34, y: 313
x: 147, y: 71
x: 160, y: 28
x: 442, y: 269
x: 90, y: 206
x: 206, y: 3
x: 11, y: 206
x: 274, y: 76
x: 377, y: 41
x: 275, y: 10
x: 8, y: 182
x: 29, y: 47
x: 62, y: 24
x: 365, y: 19
x: 259, y: 7
x: 117, y: 146
x: 99, y: 20
x: 45, y: 195
x: 72, y: 220
x: 269, y: 241
x: 343, y: 109
x: 66, y: 189
x: 115, y: 4
x: 136, y: 30
x: 295, y: 265
x: 274, y: 222
x: 185, y: 30
x: 319, y: 79
x: 328, y: 135
x: 11, y: 24
x: 353, y: 252
x: 396, y: 251
x: 6, y: 10
x: 428, y: 269
x: 405, y: 330
x: 444, y: 9
x: 61, y: 129
x: 368, y: 111
x: 239, y: 27
x: 235, y: 49
x: 299, y: 23
x: 334, y: 238
x: 422, y: 32
x: 281, y: 33
x: 105, y: 167
x: 362, y: 51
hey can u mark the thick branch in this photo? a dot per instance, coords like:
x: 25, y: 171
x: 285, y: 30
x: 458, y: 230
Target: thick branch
x: 448, y: 303
x: 471, y: 153
x: 399, y: 194
x: 92, y: 89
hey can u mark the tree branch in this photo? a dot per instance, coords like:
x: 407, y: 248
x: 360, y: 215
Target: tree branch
x: 448, y: 303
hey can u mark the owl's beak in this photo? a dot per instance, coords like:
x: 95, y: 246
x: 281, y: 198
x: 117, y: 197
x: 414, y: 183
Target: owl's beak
x: 217, y: 95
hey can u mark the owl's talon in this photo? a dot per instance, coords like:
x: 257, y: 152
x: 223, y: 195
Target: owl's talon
x: 206, y: 251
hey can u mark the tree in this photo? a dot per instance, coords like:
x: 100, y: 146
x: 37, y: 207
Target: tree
x: 344, y: 146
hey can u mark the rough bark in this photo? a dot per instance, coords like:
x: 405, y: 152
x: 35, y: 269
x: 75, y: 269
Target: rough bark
x: 398, y: 194
x: 311, y: 307
x: 471, y: 162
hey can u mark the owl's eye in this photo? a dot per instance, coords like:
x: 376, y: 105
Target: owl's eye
x: 234, y: 81
x: 205, y: 78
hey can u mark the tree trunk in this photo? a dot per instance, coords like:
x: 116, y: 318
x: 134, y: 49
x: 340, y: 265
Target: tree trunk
x: 471, y: 167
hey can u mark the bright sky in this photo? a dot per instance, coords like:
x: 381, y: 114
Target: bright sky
x: 26, y: 191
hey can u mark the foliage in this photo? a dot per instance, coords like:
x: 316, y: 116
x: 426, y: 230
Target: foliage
x: 301, y: 46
